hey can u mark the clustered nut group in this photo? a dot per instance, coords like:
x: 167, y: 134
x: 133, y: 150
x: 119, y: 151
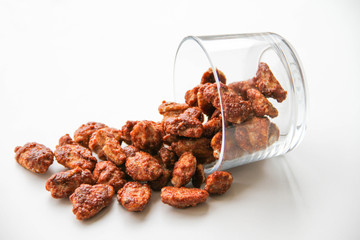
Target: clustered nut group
x: 155, y: 154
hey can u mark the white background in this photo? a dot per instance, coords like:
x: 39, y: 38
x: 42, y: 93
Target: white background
x: 64, y: 63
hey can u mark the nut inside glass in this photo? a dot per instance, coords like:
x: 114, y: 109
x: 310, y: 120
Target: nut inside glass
x: 238, y: 57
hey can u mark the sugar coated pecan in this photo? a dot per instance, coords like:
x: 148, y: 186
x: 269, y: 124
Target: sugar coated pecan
x: 252, y: 135
x: 267, y: 84
x: 184, y: 169
x: 88, y: 200
x: 183, y: 126
x: 63, y: 184
x: 106, y: 172
x: 199, y: 147
x: 216, y: 142
x: 241, y: 87
x: 168, y: 156
x: 143, y: 167
x: 130, y: 150
x: 34, y: 157
x: 183, y: 197
x: 105, y: 145
x: 191, y: 96
x: 66, y: 139
x: 205, y: 94
x: 167, y: 107
x: 83, y: 133
x: 134, y: 196
x: 274, y: 134
x: 72, y: 156
x: 218, y: 182
x: 147, y: 135
x: 212, y: 126
x: 126, y: 130
x: 209, y: 77
x: 260, y: 105
x: 199, y: 176
x: 162, y: 181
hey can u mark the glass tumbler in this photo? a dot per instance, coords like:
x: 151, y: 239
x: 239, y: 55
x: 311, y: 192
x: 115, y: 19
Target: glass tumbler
x: 261, y: 108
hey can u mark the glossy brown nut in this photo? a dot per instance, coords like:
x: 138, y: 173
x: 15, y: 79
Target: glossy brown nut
x: 107, y: 173
x: 169, y: 139
x: 208, y: 76
x: 260, y: 105
x: 83, y: 134
x: 134, y: 196
x: 167, y: 107
x: 147, y: 135
x: 205, y: 94
x: 34, y: 157
x: 199, y: 177
x: 168, y: 156
x: 191, y: 96
x: 105, y: 145
x: 117, y: 133
x: 267, y: 84
x: 241, y: 87
x: 218, y: 182
x: 216, y: 142
x: 126, y: 130
x: 162, y: 181
x: 212, y: 126
x: 88, y: 200
x: 184, y: 169
x: 199, y: 147
x: 236, y: 110
x: 183, y: 126
x: 274, y: 134
x: 72, y: 156
x: 193, y: 112
x: 63, y: 184
x: 183, y: 197
x: 130, y: 150
x: 231, y: 149
x: 143, y: 167
x: 66, y: 139
x: 252, y: 135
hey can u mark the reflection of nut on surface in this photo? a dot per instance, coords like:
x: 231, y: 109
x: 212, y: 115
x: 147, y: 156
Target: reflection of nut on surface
x: 134, y: 196
x: 183, y: 197
x: 184, y: 169
x: 218, y: 182
x: 252, y: 135
x: 63, y: 184
x: 88, y: 200
x: 34, y: 157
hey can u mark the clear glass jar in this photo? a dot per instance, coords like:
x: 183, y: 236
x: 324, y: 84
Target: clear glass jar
x: 239, y: 56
